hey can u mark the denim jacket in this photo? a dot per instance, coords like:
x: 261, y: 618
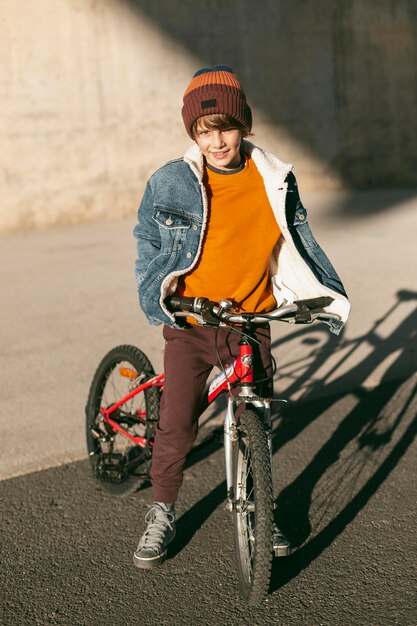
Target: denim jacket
x: 171, y: 224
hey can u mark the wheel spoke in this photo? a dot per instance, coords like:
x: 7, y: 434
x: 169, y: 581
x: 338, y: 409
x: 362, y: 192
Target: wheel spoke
x: 109, y: 387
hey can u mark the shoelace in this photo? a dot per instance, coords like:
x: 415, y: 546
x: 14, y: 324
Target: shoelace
x: 158, y: 521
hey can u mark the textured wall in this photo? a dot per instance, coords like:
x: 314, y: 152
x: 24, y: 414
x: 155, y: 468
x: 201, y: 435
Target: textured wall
x: 90, y: 94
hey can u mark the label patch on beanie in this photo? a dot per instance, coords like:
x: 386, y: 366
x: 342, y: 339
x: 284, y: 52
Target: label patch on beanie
x: 206, y: 104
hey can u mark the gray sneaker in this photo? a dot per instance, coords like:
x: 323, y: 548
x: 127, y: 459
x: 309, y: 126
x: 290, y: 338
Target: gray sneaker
x: 282, y: 546
x: 160, y: 531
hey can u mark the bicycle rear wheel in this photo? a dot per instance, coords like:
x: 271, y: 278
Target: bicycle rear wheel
x: 253, y: 508
x: 120, y: 465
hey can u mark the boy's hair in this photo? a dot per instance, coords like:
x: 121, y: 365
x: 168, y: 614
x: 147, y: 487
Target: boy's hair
x: 220, y: 121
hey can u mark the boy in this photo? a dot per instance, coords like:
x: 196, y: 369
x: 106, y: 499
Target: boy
x: 225, y: 221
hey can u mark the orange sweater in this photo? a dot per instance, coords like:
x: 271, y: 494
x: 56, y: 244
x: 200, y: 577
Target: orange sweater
x: 240, y: 235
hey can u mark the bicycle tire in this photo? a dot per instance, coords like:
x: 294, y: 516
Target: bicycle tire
x: 253, y: 508
x: 127, y: 464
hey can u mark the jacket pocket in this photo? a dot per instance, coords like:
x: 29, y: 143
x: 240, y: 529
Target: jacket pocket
x: 173, y: 229
x: 170, y: 219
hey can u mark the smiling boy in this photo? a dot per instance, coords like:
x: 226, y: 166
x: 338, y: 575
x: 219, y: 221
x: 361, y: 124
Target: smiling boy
x: 220, y: 147
x: 225, y: 221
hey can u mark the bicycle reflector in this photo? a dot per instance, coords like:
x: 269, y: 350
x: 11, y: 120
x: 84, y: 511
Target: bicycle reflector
x: 128, y: 373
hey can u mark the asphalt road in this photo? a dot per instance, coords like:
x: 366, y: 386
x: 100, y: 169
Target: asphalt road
x: 68, y: 296
x: 344, y: 451
x: 346, y: 495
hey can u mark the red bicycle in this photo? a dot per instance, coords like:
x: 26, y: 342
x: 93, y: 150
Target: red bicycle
x: 123, y: 409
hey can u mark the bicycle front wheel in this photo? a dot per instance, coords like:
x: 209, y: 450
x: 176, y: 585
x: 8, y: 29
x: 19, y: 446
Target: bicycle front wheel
x: 119, y: 465
x: 253, y: 508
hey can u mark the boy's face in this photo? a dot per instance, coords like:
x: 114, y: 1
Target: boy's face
x: 221, y: 148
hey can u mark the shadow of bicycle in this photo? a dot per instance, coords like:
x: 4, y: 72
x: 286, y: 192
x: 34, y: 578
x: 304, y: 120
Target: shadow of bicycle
x: 363, y: 432
x: 362, y: 393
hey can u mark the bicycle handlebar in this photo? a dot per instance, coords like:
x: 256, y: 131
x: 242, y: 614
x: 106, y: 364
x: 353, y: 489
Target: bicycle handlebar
x: 207, y: 312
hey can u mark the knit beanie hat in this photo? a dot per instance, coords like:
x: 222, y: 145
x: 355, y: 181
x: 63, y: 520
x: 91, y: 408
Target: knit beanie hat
x: 215, y: 90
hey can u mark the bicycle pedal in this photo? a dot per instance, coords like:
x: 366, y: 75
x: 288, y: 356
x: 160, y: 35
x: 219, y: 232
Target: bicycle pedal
x: 110, y: 467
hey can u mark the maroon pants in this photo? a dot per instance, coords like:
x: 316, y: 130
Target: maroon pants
x: 190, y: 355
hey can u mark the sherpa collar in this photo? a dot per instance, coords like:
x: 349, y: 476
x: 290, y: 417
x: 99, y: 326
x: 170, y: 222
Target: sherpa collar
x: 271, y: 168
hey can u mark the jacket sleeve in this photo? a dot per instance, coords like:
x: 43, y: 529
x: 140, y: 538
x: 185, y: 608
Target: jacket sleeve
x: 305, y: 242
x: 148, y: 238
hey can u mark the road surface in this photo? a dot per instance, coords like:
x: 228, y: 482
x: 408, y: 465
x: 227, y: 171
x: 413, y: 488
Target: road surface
x: 344, y: 457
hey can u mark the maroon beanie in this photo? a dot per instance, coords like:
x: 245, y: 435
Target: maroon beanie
x: 215, y: 90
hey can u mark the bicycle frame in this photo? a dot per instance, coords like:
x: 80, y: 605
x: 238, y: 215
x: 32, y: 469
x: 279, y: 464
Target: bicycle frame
x: 121, y: 430
x: 240, y: 371
x: 155, y: 381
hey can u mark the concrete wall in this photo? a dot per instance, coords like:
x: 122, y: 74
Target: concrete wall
x: 91, y: 90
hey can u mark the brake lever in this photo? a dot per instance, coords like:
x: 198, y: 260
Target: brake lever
x: 195, y: 316
x: 304, y: 315
x: 208, y: 315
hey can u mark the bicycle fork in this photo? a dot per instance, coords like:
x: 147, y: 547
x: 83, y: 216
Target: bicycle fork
x: 231, y: 436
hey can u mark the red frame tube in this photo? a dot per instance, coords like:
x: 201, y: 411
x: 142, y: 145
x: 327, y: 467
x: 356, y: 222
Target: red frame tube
x: 156, y: 381
x: 140, y: 441
x: 239, y: 371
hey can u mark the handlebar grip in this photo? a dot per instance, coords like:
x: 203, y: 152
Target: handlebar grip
x: 175, y: 303
x: 314, y: 303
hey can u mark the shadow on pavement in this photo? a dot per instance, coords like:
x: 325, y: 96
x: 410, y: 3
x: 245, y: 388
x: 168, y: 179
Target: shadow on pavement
x: 357, y: 205
x: 361, y: 451
x: 373, y: 430
x: 282, y: 572
x: 190, y: 522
